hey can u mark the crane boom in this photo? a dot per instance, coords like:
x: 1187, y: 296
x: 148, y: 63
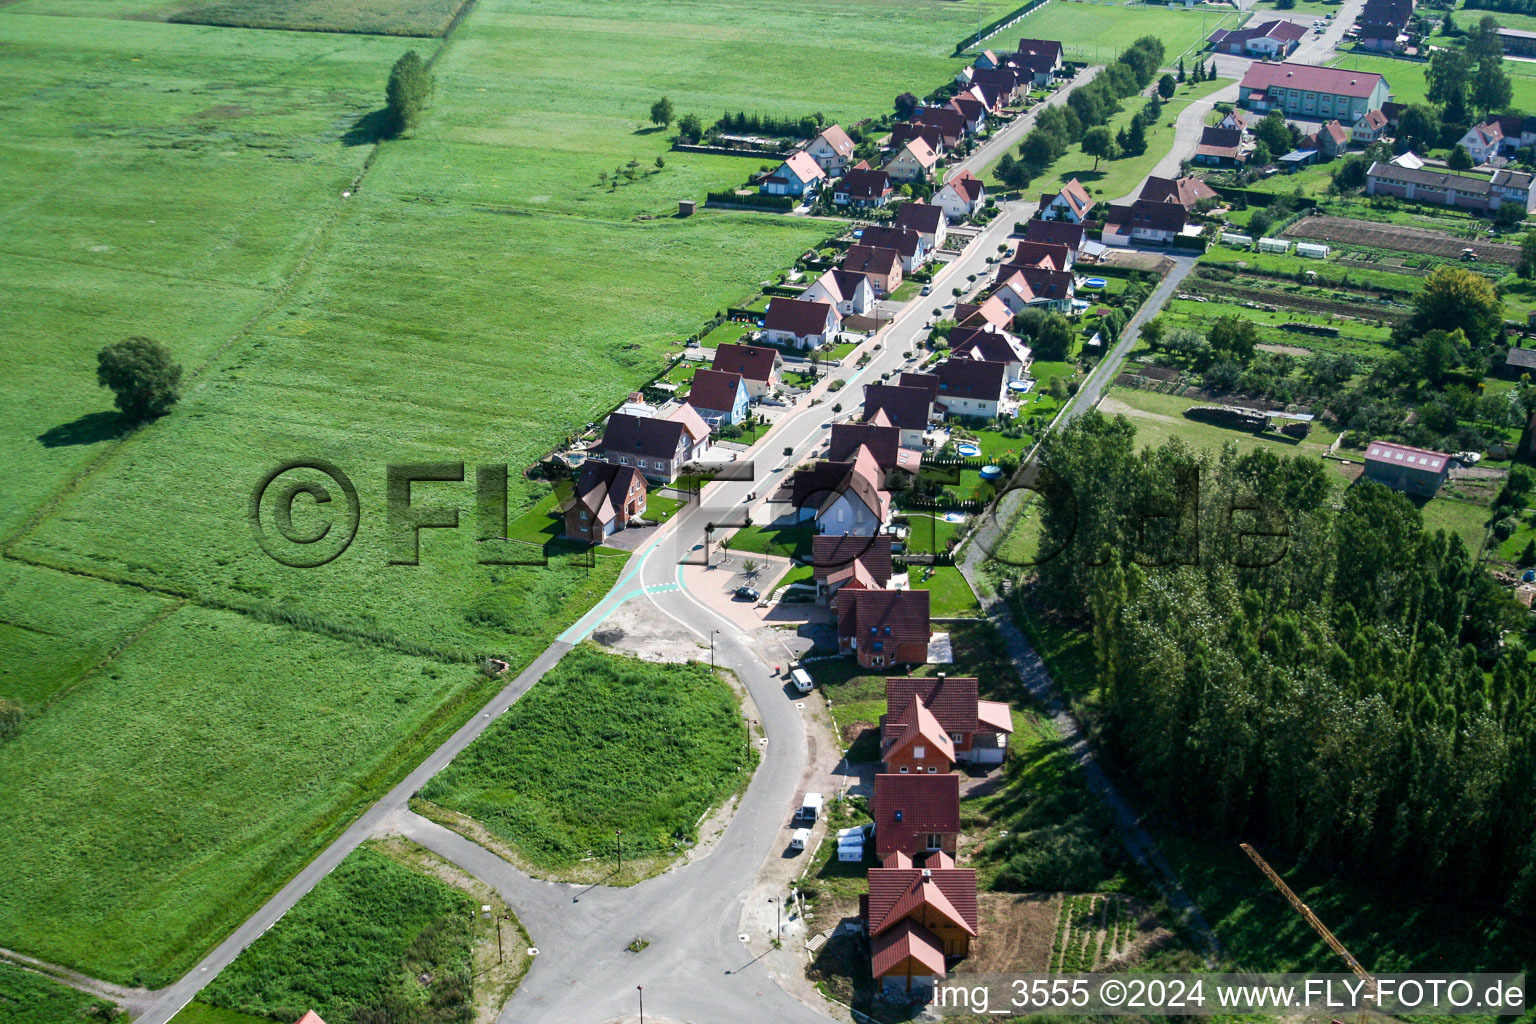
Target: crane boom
x: 1312, y: 919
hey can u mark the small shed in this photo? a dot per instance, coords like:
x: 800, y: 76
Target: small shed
x: 686, y: 207
x: 1274, y: 245
x: 1233, y: 238
x: 1296, y: 159
x: 1312, y: 250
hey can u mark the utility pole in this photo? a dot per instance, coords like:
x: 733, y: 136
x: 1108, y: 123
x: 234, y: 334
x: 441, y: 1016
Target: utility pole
x: 618, y: 845
x: 712, y: 649
x: 641, y: 989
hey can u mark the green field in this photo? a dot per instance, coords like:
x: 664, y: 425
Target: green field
x: 1097, y: 33
x: 604, y: 742
x: 366, y: 932
x: 1159, y: 417
x: 29, y: 998
x: 1406, y: 78
x: 950, y: 596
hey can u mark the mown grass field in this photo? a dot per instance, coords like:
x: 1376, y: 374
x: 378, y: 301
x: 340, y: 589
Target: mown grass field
x: 1159, y: 417
x: 1406, y: 78
x: 1098, y: 32
x: 604, y: 742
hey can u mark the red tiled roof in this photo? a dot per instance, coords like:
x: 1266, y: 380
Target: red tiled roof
x: 1280, y: 31
x: 917, y: 725
x: 952, y: 699
x: 805, y: 168
x: 831, y: 554
x: 908, y: 806
x: 310, y: 1017
x: 890, y: 617
x: 1333, y: 81
x: 834, y: 136
x: 990, y: 310
x: 906, y: 941
x: 1077, y: 197
x: 895, y: 894
x: 906, y: 131
x: 921, y: 151
x: 995, y: 715
x: 967, y: 186
x: 870, y: 259
x: 754, y: 362
x: 799, y: 316
x: 714, y: 390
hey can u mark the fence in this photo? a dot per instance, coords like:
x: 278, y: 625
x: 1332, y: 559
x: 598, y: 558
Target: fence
x: 997, y: 26
x: 766, y: 154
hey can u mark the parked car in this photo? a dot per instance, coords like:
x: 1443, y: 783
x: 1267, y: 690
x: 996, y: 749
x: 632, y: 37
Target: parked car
x: 800, y: 839
x: 927, y: 290
x: 802, y: 680
x: 747, y: 593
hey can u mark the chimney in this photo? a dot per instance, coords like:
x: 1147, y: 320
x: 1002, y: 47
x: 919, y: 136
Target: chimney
x: 927, y: 874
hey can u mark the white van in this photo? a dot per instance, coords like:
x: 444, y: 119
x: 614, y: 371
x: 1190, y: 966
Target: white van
x: 800, y: 839
x: 810, y: 807
x: 802, y: 680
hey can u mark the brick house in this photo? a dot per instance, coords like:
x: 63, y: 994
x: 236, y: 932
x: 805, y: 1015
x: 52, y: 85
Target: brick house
x: 657, y: 446
x: 978, y: 729
x: 882, y: 266
x: 604, y: 500
x: 918, y: 919
x: 884, y: 628
x: 859, y: 563
x: 915, y: 814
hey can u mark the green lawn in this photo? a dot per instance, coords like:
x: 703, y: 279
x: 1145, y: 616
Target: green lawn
x: 1464, y: 518
x: 949, y: 594
x: 602, y: 743
x: 1406, y: 78
x: 928, y: 534
x: 1159, y: 417
x: 1099, y: 32
x: 29, y: 998
x: 785, y: 541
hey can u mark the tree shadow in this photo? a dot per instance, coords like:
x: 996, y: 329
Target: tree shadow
x: 88, y: 429
x: 372, y: 127
x: 652, y: 130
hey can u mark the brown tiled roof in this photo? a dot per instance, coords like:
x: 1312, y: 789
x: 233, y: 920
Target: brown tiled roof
x: 896, y: 893
x: 1144, y: 213
x: 714, y: 390
x: 980, y: 343
x: 1035, y: 254
x: 822, y: 484
x: 903, y: 942
x: 967, y: 185
x: 603, y: 486
x: 884, y: 443
x: 971, y: 108
x: 919, y: 216
x: 906, y: 806
x: 906, y: 131
x: 1055, y: 232
x: 1373, y: 119
x: 970, y: 378
x: 1334, y: 131
x: 834, y: 136
x: 1280, y: 31
x: 922, y: 381
x: 946, y: 119
x: 647, y: 436
x: 906, y: 408
x: 952, y: 699
x: 1048, y: 284
x: 1006, y: 79
x: 902, y: 240
x: 863, y: 183
x: 890, y: 616
x: 1222, y: 138
x: 829, y: 554
x: 799, y: 316
x: 869, y: 259
x: 1184, y: 191
x: 1049, y: 47
x: 754, y: 362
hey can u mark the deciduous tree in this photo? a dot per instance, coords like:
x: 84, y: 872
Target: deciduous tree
x: 144, y: 378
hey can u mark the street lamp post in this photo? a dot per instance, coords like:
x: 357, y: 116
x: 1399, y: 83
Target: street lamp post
x: 778, y: 917
x: 618, y: 846
x: 641, y: 989
x: 712, y: 649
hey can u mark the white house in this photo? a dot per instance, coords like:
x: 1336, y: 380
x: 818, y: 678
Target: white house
x: 1482, y: 141
x: 971, y: 387
x: 961, y: 196
x: 850, y: 292
x: 844, y: 498
x: 832, y: 150
x: 916, y: 161
x: 797, y: 176
x: 1072, y: 204
x: 926, y: 219
x: 799, y: 323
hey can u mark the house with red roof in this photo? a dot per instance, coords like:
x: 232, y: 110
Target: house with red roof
x: 605, y: 499
x: 800, y: 323
x: 949, y: 121
x: 1331, y: 139
x: 1072, y: 203
x: 990, y: 310
x: 881, y: 265
x: 914, y: 814
x: 720, y: 397
x: 797, y: 176
x: 658, y: 446
x: 961, y: 196
x: 310, y: 1017
x: 1402, y: 468
x: 852, y: 562
x: 832, y: 150
x: 1268, y: 40
x: 1482, y: 141
x: 919, y: 920
x: 758, y: 366
x: 1039, y: 256
x: 1315, y: 93
x: 978, y: 729
x: 1369, y: 128
x: 884, y: 628
x: 915, y: 161
x: 862, y: 187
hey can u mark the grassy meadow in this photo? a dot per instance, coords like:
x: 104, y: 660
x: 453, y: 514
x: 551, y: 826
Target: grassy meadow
x: 1406, y: 78
x: 1097, y: 33
x: 30, y: 998
x: 604, y: 742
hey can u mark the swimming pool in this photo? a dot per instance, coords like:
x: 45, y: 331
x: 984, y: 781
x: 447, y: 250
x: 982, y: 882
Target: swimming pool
x: 967, y: 449
x: 1095, y: 282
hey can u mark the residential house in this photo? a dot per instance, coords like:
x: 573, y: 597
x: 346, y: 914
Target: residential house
x: 720, y: 397
x: 1393, y: 112
x: 1330, y: 140
x: 883, y: 442
x: 1144, y: 222
x: 851, y: 293
x: 1041, y: 58
x: 758, y: 366
x: 1007, y: 82
x: 979, y: 729
x: 1517, y: 363
x: 915, y: 743
x: 1071, y: 204
x: 605, y: 499
x: 1381, y: 25
x: 1304, y: 90
x: 1483, y: 141
x: 925, y: 382
x: 799, y: 323
x: 905, y: 408
x: 1519, y: 131
x: 1268, y: 40
x: 905, y: 131
x: 851, y: 562
x: 882, y: 266
x: 1447, y: 188
x: 918, y: 919
x: 1369, y: 128
x: 843, y: 498
x: 1221, y: 147
x: 1052, y: 289
x: 914, y: 253
x: 311, y: 1017
x: 927, y: 220
x: 1186, y: 191
x: 970, y: 388
x: 1410, y: 470
x: 1056, y: 232
x: 992, y: 346
x: 914, y: 814
x: 990, y: 310
x: 949, y: 121
x: 988, y: 60
x: 883, y: 628
x: 1013, y: 292
x: 961, y: 196
x: 1049, y: 255
x: 862, y: 187
x: 1517, y: 42
x: 832, y: 150
x: 1234, y: 119
x: 915, y: 161
x: 657, y: 446
x: 798, y: 176
x: 974, y: 107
